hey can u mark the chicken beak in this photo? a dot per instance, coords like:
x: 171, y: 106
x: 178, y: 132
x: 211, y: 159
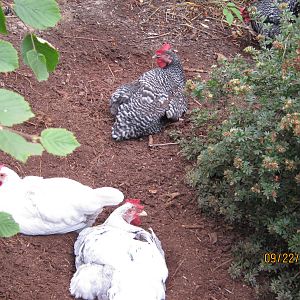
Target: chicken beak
x: 143, y: 214
x: 155, y: 56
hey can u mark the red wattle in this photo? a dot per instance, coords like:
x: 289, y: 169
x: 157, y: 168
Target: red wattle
x: 161, y: 63
x: 136, y: 222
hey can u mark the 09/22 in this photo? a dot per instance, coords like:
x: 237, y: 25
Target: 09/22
x: 285, y: 258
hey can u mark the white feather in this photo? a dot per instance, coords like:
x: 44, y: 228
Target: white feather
x: 133, y: 254
x: 89, y: 280
x: 53, y: 205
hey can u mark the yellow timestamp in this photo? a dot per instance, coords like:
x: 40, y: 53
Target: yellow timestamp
x: 284, y: 258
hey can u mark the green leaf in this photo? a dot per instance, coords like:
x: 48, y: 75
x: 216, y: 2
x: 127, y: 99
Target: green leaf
x: 8, y: 226
x: 15, y: 145
x: 2, y: 22
x: 13, y: 108
x: 225, y: 11
x: 42, y: 47
x: 237, y: 13
x: 37, y: 62
x: 230, y: 5
x: 59, y: 141
x: 228, y: 15
x: 8, y: 57
x: 39, y: 14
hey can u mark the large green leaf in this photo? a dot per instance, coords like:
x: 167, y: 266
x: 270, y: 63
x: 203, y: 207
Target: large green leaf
x: 237, y: 13
x: 8, y: 226
x: 8, y: 57
x: 13, y: 108
x: 37, y: 62
x: 228, y: 15
x: 59, y: 141
x: 39, y: 14
x: 15, y: 145
x: 2, y: 22
x: 31, y: 41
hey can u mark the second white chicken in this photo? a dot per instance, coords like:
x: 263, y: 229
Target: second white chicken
x: 119, y: 261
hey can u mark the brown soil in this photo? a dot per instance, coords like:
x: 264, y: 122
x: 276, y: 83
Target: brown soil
x: 104, y: 44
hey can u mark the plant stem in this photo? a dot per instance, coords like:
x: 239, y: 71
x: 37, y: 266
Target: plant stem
x: 31, y: 36
x: 27, y: 136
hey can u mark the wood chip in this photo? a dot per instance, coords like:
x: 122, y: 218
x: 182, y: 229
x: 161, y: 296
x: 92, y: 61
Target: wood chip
x: 150, y: 142
x: 204, y: 25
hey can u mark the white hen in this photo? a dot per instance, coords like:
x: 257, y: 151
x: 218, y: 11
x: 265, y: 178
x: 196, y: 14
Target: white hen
x: 52, y: 205
x: 119, y: 261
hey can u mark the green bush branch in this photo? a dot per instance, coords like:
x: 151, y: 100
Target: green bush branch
x: 247, y: 169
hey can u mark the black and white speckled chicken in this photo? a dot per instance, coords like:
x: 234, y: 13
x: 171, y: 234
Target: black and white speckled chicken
x: 144, y: 106
x: 270, y: 13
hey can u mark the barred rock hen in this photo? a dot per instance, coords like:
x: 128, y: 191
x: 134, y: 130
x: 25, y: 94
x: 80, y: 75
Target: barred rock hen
x: 144, y: 106
x: 270, y: 13
x: 118, y: 260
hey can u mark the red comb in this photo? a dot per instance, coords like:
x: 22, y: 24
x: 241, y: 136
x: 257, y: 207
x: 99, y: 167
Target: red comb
x: 165, y: 47
x: 136, y: 203
x: 133, y: 201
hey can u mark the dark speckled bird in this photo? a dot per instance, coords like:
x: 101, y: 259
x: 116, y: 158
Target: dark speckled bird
x: 144, y: 106
x: 270, y: 13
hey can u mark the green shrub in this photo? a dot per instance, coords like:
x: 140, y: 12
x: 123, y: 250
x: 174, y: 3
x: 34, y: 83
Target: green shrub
x: 248, y: 167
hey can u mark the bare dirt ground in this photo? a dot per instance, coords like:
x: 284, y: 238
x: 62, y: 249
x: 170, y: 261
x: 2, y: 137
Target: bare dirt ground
x: 104, y: 44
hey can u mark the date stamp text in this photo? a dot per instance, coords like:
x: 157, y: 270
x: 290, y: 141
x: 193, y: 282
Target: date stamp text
x: 283, y: 258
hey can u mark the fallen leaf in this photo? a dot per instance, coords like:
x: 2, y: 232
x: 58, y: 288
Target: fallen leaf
x: 213, y: 237
x: 221, y: 57
x: 152, y: 191
x: 173, y: 195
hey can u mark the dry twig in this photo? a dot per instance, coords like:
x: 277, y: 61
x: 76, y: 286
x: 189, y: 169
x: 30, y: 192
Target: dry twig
x: 178, y: 267
x: 112, y: 73
x: 87, y: 38
x: 193, y: 226
x: 156, y: 36
x: 222, y: 264
x: 162, y: 145
x: 196, y: 101
x: 194, y: 70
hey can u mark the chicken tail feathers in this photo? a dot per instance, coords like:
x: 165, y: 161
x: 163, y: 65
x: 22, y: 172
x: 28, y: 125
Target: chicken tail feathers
x: 91, y: 281
x: 157, y: 242
x: 109, y: 196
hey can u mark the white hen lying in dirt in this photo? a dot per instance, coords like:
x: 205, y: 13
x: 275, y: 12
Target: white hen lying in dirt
x: 52, y: 205
x: 119, y: 261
